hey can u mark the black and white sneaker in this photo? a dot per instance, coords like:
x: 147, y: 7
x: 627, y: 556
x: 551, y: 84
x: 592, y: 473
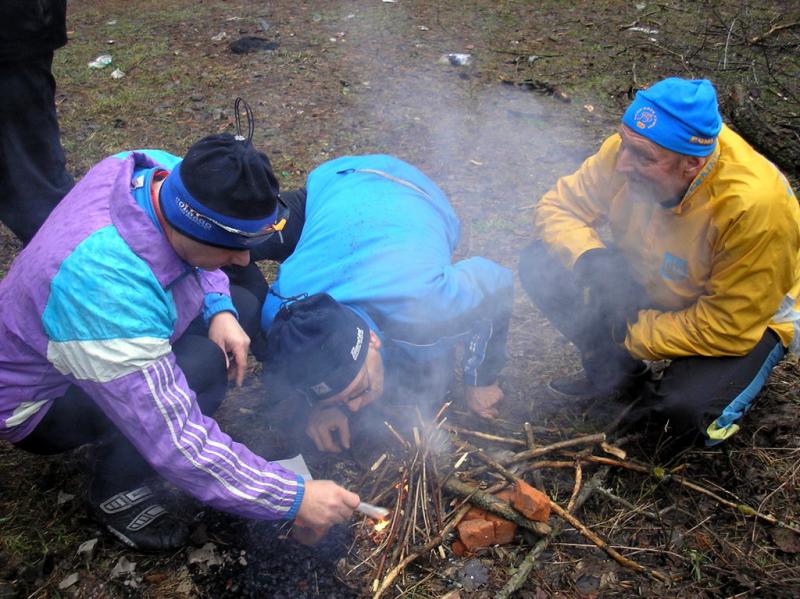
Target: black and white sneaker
x: 137, y: 519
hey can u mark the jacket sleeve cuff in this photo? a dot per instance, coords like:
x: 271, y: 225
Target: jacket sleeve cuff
x: 482, y: 380
x: 214, y: 303
x: 298, y: 499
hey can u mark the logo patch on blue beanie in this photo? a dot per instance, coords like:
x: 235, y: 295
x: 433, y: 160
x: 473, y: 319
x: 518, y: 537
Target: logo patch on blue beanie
x: 645, y: 118
x: 356, y: 349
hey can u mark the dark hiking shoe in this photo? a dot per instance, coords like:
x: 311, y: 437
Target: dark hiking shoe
x: 137, y: 519
x: 576, y: 387
x: 579, y: 387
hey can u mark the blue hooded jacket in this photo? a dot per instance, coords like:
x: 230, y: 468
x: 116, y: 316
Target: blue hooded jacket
x: 379, y: 237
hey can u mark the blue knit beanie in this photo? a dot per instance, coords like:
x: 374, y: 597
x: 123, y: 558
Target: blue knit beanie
x: 681, y: 115
x: 228, y: 180
x: 317, y: 345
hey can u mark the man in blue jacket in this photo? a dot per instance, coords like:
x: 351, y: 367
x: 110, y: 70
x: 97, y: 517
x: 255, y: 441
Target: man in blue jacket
x: 370, y: 302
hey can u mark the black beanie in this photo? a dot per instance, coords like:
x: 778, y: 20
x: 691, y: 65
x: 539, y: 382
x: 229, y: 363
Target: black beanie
x: 231, y: 177
x: 317, y: 345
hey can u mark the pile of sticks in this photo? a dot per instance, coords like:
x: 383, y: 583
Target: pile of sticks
x: 441, y: 472
x: 412, y: 487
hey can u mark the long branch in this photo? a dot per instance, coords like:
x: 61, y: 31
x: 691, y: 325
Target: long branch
x: 613, y: 553
x: 661, y: 474
x: 486, y: 459
x: 539, y: 451
x: 525, y: 568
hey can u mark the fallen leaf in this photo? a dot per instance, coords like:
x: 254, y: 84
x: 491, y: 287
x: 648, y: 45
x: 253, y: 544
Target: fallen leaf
x: 786, y: 540
x: 86, y: 548
x: 68, y: 581
x: 123, y: 567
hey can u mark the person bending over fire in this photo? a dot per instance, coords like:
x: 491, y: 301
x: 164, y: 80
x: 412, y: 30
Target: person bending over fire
x: 676, y: 241
x: 370, y: 302
x: 118, y: 328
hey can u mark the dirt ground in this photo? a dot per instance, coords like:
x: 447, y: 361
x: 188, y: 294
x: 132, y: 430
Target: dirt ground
x: 544, y: 84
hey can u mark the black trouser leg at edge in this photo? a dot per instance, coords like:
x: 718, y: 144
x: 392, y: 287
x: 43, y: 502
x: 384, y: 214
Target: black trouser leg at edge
x: 557, y: 293
x: 694, y: 392
x: 33, y: 176
x: 75, y: 419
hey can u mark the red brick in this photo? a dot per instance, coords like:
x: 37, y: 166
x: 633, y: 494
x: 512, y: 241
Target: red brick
x: 504, y: 531
x: 530, y: 502
x: 505, y: 495
x: 458, y: 548
x: 476, y: 534
x: 476, y: 513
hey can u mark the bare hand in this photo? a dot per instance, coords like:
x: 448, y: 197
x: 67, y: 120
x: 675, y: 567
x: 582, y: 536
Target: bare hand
x: 483, y: 400
x: 225, y: 331
x: 323, y: 423
x: 308, y: 536
x: 324, y: 504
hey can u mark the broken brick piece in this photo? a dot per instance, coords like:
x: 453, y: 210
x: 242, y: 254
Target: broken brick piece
x: 530, y: 502
x: 504, y: 531
x: 505, y: 495
x: 475, y: 534
x: 458, y: 548
x: 476, y: 513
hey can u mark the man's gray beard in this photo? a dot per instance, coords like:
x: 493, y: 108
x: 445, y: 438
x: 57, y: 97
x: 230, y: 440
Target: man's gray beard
x: 642, y: 192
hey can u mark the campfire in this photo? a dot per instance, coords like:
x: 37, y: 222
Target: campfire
x: 447, y: 497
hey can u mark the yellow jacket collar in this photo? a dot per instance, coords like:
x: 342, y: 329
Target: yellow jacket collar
x: 699, y: 179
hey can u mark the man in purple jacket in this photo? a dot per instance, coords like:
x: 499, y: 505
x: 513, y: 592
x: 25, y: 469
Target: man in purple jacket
x: 118, y: 328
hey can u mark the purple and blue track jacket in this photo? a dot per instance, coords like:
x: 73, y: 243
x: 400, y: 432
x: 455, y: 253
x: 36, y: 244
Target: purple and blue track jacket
x: 96, y: 300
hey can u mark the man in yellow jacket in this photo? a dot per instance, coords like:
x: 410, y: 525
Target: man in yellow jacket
x: 678, y: 241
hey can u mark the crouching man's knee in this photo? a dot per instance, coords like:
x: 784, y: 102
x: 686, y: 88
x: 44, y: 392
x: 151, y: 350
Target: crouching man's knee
x: 698, y: 416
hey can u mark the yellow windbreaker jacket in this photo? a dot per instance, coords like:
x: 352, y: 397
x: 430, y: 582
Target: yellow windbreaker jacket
x: 721, y: 266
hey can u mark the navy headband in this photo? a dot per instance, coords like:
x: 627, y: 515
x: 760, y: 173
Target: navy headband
x: 190, y: 217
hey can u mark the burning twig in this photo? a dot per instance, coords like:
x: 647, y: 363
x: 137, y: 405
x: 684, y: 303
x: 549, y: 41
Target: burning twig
x: 492, y: 504
x: 395, y: 572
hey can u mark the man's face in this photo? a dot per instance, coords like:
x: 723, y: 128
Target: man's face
x: 205, y: 256
x: 367, y: 386
x: 654, y: 173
